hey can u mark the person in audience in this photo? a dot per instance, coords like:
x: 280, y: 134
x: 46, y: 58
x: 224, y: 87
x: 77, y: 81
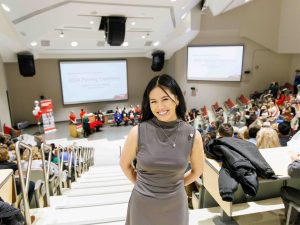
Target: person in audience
x: 5, y: 164
x: 253, y: 130
x: 225, y: 130
x: 36, y: 159
x: 284, y: 130
x: 280, y: 97
x: 274, y: 87
x: 290, y: 194
x: 267, y: 137
x: 163, y: 145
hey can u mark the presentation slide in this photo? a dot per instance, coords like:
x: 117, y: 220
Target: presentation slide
x: 93, y: 81
x: 215, y: 63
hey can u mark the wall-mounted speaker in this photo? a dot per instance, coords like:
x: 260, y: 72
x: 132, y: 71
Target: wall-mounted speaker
x: 158, y: 60
x: 26, y: 64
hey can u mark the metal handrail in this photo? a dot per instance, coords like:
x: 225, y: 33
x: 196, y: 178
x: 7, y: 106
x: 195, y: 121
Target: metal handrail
x: 70, y: 166
x: 79, y: 152
x: 24, y: 184
x: 46, y: 148
x: 59, y: 164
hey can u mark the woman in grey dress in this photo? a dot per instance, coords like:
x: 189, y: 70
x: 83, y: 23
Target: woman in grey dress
x: 163, y: 144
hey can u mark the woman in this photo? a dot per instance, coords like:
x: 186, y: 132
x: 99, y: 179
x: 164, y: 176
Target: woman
x: 267, y: 137
x: 163, y: 144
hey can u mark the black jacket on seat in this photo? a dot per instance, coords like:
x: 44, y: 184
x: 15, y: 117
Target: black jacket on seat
x: 242, y: 163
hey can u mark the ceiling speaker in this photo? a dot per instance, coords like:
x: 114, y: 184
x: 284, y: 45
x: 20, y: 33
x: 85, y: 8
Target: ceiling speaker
x: 114, y: 29
x: 158, y: 60
x: 26, y: 64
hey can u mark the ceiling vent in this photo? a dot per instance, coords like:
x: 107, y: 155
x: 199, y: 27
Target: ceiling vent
x: 148, y: 43
x: 45, y: 43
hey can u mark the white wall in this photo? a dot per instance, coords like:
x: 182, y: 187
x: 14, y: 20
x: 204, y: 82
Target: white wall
x: 4, y: 109
x: 24, y: 90
x: 265, y: 65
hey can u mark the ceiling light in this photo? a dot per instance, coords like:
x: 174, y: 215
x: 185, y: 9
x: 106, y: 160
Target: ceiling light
x: 156, y: 43
x: 173, y: 0
x: 74, y: 43
x: 125, y: 44
x: 61, y: 34
x: 133, y: 23
x: 33, y: 43
x: 183, y: 16
x: 91, y: 22
x: 143, y: 36
x: 5, y: 7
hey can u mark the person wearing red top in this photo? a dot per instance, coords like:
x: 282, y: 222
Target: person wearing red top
x: 81, y: 114
x: 72, y: 118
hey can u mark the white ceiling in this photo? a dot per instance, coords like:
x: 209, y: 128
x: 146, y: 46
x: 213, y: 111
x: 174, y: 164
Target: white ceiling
x: 44, y: 20
x: 170, y: 23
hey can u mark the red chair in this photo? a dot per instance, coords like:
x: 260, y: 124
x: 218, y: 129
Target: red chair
x: 229, y: 104
x: 289, y: 86
x: 204, y: 113
x: 243, y: 100
x: 215, y: 107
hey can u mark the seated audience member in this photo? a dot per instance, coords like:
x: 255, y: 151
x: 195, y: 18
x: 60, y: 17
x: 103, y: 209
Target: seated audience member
x: 253, y: 130
x: 225, y: 130
x: 284, y: 130
x: 72, y: 118
x: 290, y: 194
x: 280, y: 97
x: 36, y: 159
x: 267, y: 137
x: 4, y: 164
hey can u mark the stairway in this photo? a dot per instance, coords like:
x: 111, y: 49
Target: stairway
x: 100, y: 196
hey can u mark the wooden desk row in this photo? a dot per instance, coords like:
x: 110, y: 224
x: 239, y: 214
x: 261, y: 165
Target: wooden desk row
x: 278, y: 159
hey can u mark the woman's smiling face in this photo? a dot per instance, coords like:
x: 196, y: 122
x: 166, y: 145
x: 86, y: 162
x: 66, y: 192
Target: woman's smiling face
x: 163, y: 104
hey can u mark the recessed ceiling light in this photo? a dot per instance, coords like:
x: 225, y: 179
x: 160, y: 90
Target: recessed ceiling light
x: 143, y: 36
x: 61, y: 34
x: 74, y: 43
x: 125, y: 44
x: 33, y: 43
x: 173, y: 0
x: 133, y: 23
x: 5, y: 7
x: 183, y: 16
x: 91, y: 22
x: 156, y: 43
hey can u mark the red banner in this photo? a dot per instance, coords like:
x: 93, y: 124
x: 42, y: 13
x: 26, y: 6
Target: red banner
x: 47, y: 115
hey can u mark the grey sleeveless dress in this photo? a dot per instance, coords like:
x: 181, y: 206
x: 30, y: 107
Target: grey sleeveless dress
x: 159, y: 197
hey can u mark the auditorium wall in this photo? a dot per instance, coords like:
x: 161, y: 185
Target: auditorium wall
x: 24, y: 90
x: 4, y: 108
x: 264, y: 64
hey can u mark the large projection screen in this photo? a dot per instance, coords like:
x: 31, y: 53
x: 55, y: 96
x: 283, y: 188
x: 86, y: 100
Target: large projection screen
x: 93, y: 81
x: 215, y: 63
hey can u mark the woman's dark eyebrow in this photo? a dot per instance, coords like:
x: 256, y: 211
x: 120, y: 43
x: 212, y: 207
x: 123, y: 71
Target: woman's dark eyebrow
x: 166, y: 96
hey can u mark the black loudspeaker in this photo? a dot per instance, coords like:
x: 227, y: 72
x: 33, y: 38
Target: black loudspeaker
x: 26, y: 64
x: 158, y: 60
x: 202, y: 2
x: 115, y: 30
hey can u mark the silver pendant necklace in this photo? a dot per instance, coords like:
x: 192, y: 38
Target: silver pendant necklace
x: 170, y: 140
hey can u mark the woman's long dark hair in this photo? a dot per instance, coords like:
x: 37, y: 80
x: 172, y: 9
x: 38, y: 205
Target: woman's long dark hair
x: 163, y: 81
